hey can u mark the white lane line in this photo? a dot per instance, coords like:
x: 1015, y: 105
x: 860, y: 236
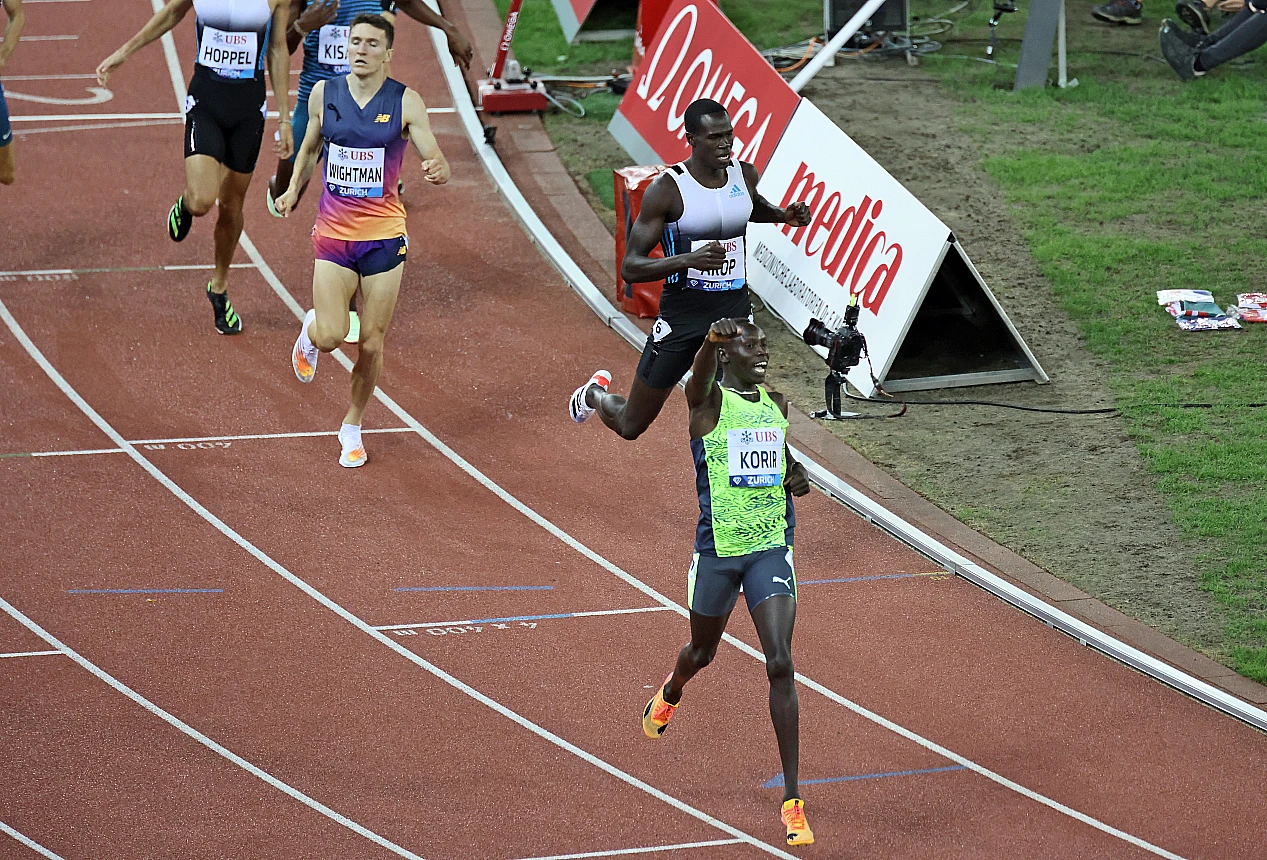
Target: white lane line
x: 442, y: 50
x: 108, y: 270
x: 99, y: 117
x: 29, y: 843
x: 32, y: 654
x: 194, y: 440
x: 620, y: 852
x: 67, y: 38
x: 92, y: 126
x: 338, y: 610
x: 86, y: 77
x: 590, y: 614
x: 189, y: 730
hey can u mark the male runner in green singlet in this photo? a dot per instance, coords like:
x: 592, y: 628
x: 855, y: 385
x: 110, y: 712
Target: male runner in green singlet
x: 746, y: 478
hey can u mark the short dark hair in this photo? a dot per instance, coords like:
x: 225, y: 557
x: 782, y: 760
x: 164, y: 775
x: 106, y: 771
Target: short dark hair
x: 699, y: 109
x: 376, y: 21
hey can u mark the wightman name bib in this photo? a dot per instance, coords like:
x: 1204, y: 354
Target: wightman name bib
x: 731, y: 275
x: 229, y: 55
x: 332, y: 48
x: 755, y: 456
x: 354, y: 172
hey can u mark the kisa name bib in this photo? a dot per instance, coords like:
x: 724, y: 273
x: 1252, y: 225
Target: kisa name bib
x: 332, y: 48
x: 352, y: 172
x: 229, y: 54
x: 755, y: 456
x: 731, y: 275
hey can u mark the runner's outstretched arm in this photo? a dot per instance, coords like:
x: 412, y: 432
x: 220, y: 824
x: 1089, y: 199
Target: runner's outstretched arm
x: 459, y: 47
x: 161, y: 23
x: 12, y: 30
x: 765, y: 212
x: 279, y: 76
x: 309, y: 149
x: 701, y: 389
x: 417, y: 127
x: 659, y: 203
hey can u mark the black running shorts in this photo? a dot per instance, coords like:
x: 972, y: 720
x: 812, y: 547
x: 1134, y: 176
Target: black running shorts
x: 685, y: 317
x: 225, y: 120
x: 714, y: 583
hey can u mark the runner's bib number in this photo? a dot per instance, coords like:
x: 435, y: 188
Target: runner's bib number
x: 332, y: 48
x: 354, y: 172
x: 755, y: 456
x: 229, y: 54
x: 731, y: 275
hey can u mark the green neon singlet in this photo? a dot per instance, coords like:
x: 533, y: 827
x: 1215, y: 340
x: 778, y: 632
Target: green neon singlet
x: 744, y: 456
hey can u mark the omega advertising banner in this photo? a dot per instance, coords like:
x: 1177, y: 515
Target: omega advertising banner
x: 697, y: 53
x: 572, y: 15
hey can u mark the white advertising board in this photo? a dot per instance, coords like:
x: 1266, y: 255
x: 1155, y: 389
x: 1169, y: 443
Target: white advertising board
x: 867, y: 235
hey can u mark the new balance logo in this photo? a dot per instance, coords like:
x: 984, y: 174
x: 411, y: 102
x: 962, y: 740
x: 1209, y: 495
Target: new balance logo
x: 386, y: 117
x: 787, y: 583
x: 736, y: 191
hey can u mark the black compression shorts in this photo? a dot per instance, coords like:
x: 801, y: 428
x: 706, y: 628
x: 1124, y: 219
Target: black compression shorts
x: 225, y: 121
x: 685, y: 316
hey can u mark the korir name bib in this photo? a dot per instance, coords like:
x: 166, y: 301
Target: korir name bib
x: 352, y: 172
x: 332, y: 48
x: 731, y: 275
x: 229, y: 54
x: 755, y: 456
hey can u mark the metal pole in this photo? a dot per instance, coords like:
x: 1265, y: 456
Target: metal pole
x: 1062, y: 66
x: 829, y: 50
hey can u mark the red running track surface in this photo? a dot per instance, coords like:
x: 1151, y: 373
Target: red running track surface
x: 266, y: 715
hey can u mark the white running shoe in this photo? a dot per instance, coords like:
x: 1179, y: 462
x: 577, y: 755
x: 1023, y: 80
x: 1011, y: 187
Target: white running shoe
x: 272, y: 204
x: 354, y: 328
x: 577, y: 407
x: 303, y: 358
x: 353, y: 453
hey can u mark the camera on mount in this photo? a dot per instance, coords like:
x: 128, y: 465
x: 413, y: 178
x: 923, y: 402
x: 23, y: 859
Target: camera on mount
x: 844, y: 348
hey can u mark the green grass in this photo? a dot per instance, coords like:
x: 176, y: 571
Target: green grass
x: 1130, y: 183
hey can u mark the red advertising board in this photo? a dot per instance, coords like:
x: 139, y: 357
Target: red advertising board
x: 698, y: 53
x: 632, y: 183
x: 572, y: 15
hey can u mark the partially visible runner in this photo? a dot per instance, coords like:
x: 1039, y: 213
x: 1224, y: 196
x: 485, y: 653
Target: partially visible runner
x: 322, y: 27
x: 12, y: 32
x: 224, y: 117
x: 361, y: 123
x: 745, y: 478
x: 698, y: 211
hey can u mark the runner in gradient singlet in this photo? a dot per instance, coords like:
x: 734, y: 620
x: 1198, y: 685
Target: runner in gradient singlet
x: 745, y: 478
x: 363, y: 122
x: 224, y: 117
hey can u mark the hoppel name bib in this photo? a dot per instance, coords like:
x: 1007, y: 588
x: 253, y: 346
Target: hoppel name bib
x: 731, y: 275
x: 354, y: 172
x: 332, y: 48
x: 755, y: 456
x: 229, y: 54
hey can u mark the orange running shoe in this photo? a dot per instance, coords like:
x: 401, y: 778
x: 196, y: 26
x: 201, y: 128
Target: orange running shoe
x: 798, y: 832
x: 303, y: 358
x: 657, y: 713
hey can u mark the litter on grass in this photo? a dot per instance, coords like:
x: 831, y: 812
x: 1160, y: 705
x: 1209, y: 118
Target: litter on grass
x: 1195, y: 310
x: 1250, y: 307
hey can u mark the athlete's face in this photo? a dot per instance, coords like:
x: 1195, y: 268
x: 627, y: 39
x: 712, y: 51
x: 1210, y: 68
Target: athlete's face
x: 746, y: 357
x: 712, y: 143
x: 367, y: 49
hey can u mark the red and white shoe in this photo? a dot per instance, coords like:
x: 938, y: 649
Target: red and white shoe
x: 577, y: 407
x: 352, y: 450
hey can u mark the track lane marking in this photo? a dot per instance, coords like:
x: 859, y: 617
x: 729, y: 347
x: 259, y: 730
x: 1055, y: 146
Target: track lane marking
x: 654, y: 849
x: 262, y: 557
x: 194, y: 440
x: 512, y: 618
x: 29, y: 843
x: 32, y: 654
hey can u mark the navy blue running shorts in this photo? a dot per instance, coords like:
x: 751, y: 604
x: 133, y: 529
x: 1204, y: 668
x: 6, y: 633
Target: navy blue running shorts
x: 714, y: 582
x: 6, y: 132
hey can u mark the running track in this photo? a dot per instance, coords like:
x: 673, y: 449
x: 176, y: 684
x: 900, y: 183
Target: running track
x: 218, y: 687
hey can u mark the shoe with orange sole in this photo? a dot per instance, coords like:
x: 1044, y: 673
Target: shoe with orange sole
x: 798, y: 832
x: 657, y: 713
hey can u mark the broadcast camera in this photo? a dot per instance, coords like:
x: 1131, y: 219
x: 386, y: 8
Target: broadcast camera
x: 844, y: 348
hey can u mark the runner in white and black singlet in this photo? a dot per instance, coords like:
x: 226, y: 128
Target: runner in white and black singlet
x: 224, y: 117
x: 698, y: 211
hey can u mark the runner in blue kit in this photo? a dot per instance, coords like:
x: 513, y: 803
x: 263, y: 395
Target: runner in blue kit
x: 12, y: 32
x: 322, y: 27
x: 224, y: 117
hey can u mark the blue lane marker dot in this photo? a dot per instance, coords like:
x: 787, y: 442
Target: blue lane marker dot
x: 145, y: 591
x: 479, y: 588
x: 777, y: 782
